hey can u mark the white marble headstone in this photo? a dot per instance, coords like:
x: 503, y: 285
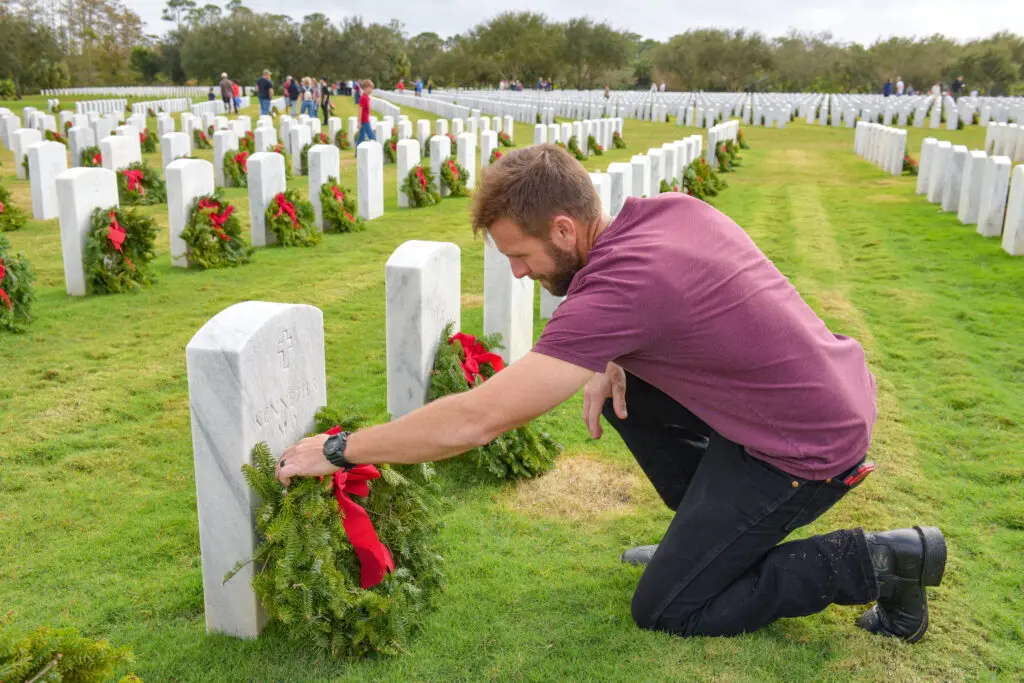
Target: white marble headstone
x: 187, y: 179
x: 256, y: 373
x: 1013, y: 228
x: 994, y: 187
x: 954, y: 179
x: 408, y: 157
x: 46, y: 160
x: 21, y: 140
x: 970, y: 192
x: 423, y: 291
x: 467, y: 157
x: 324, y: 163
x: 370, y: 172
x: 508, y: 304
x: 266, y: 181
x: 224, y: 142
x: 79, y: 192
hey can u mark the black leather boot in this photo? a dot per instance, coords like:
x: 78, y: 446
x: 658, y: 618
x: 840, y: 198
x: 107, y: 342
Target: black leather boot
x: 905, y: 561
x: 639, y: 555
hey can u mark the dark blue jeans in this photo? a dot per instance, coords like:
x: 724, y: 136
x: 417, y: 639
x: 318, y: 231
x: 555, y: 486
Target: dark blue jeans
x: 365, y: 133
x: 264, y: 107
x: 720, y: 569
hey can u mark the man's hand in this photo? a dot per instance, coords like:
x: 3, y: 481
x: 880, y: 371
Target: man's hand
x: 611, y: 384
x: 305, y: 459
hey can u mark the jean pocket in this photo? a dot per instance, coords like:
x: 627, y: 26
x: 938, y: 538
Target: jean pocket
x: 824, y: 496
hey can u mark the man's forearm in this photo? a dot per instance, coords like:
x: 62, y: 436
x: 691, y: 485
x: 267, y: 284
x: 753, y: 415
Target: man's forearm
x: 442, y: 429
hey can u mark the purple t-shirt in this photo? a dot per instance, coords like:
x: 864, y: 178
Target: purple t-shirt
x: 678, y: 295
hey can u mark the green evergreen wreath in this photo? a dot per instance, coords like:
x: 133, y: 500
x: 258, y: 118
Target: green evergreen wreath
x: 139, y: 185
x: 693, y: 185
x: 11, y: 217
x: 24, y: 166
x: 213, y: 234
x: 321, y: 138
x: 722, y: 157
x: 732, y: 149
x: 495, y: 155
x: 147, y: 142
x: 54, y: 136
x: 574, y: 149
x: 524, y: 452
x: 742, y: 139
x: 418, y: 187
x: 16, y: 294
x: 118, y: 250
x: 292, y: 219
x: 200, y: 140
x: 236, y: 167
x: 391, y: 149
x: 596, y: 149
x: 91, y: 157
x: 46, y: 655
x: 669, y: 186
x: 339, y: 208
x: 454, y: 151
x: 307, y: 574
x: 617, y: 140
x: 305, y: 158
x: 505, y: 140
x: 453, y: 176
x: 247, y: 143
x: 341, y: 140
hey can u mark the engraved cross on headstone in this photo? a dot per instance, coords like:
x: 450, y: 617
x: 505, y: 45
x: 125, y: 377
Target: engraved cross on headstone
x: 284, y: 349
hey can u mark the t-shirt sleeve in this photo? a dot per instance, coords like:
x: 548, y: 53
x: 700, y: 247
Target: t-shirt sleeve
x: 597, y: 323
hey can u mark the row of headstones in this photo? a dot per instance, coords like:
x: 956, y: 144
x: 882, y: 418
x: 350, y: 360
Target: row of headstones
x: 1006, y: 139
x: 168, y: 106
x: 727, y: 131
x: 131, y: 91
x: 975, y: 186
x: 883, y: 146
x: 100, y: 106
x: 214, y: 107
x: 602, y: 130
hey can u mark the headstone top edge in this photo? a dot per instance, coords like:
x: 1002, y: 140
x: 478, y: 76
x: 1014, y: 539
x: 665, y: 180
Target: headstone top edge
x: 232, y: 328
x: 413, y: 254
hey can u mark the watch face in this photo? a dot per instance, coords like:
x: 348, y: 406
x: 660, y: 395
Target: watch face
x: 333, y: 445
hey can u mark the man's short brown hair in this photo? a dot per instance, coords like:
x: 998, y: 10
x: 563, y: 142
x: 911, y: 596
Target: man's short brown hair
x: 533, y: 185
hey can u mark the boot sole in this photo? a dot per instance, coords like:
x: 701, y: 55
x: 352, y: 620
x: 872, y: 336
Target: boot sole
x: 933, y: 566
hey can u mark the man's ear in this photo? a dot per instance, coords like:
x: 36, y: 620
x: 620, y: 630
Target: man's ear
x: 563, y: 232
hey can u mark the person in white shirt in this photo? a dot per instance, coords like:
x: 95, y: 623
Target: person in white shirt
x: 899, y: 86
x: 662, y: 86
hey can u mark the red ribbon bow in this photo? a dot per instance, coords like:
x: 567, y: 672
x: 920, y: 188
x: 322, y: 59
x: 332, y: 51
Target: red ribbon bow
x: 3, y: 294
x: 1, y: 207
x: 243, y: 160
x: 117, y: 236
x: 476, y: 355
x: 142, y: 136
x: 97, y: 159
x: 338, y: 195
x: 349, y: 216
x: 453, y: 169
x: 374, y: 557
x: 135, y: 179
x: 421, y: 177
x: 218, y: 219
x: 285, y: 206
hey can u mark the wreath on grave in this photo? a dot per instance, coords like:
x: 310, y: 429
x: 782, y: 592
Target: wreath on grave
x: 617, y: 140
x: 595, y: 148
x: 341, y: 140
x: 463, y: 362
x: 960, y: 124
x: 976, y: 118
x: 54, y: 136
x: 724, y: 162
x: 454, y: 177
x: 742, y: 140
x: 24, y: 166
x: 505, y: 140
x: 732, y: 149
x: 11, y: 217
x: 304, y: 158
x: 321, y: 139
x: 391, y: 149
x: 574, y: 149
x: 48, y: 654
x: 344, y: 584
x: 278, y: 148
x: 419, y: 188
x: 90, y: 157
x: 247, y: 143
x: 139, y: 185
x: 236, y: 167
x: 118, y: 250
x: 16, y: 295
x: 291, y: 220
x: 909, y: 164
x: 151, y: 113
x: 339, y: 208
x: 693, y: 184
x: 214, y: 234
x: 210, y: 130
x: 495, y: 155
x: 200, y: 140
x: 147, y: 142
x: 668, y: 186
x: 67, y: 126
x: 455, y: 145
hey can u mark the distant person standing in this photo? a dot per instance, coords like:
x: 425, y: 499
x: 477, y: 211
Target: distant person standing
x: 419, y: 87
x: 401, y: 86
x: 210, y: 96
x: 236, y: 96
x: 265, y: 92
x: 355, y: 92
x: 958, y: 87
x: 293, y: 93
x: 662, y: 88
x: 900, y: 86
x: 887, y: 87
x: 307, y: 97
x: 325, y: 98
x: 365, y: 129
x: 430, y: 86
x: 936, y: 89
x: 606, y: 93
x: 227, y: 92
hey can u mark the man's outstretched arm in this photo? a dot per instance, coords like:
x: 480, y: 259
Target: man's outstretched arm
x: 449, y: 426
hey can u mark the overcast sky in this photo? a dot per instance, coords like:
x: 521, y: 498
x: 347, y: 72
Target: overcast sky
x: 857, y: 20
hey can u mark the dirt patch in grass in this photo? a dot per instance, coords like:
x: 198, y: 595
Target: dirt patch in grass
x: 472, y: 300
x: 887, y: 199
x: 582, y: 487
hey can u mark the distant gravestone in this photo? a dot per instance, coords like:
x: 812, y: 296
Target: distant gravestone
x: 937, y: 172
x: 187, y: 179
x: 266, y: 181
x: 408, y: 157
x: 324, y: 163
x: 264, y: 138
x: 620, y: 176
x: 924, y: 164
x: 440, y: 149
x: 370, y: 172
x: 174, y: 146
x: 79, y: 192
x: 954, y: 179
x: 79, y: 138
x: 994, y: 187
x: 422, y: 285
x: 508, y: 304
x: 256, y: 373
x: 641, y: 180
x: 21, y: 140
x: 970, y: 190
x: 300, y: 137
x: 1013, y: 228
x: 119, y: 151
x: 224, y: 142
x: 467, y: 157
x: 46, y: 160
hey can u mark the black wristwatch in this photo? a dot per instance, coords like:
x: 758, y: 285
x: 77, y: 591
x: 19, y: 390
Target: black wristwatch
x: 334, y: 451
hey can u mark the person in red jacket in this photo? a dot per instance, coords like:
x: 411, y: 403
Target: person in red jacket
x: 401, y: 86
x: 236, y: 93
x: 365, y: 129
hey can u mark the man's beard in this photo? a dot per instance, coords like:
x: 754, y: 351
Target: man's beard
x: 567, y: 264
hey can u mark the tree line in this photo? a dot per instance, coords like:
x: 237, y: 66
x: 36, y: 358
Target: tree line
x: 62, y: 43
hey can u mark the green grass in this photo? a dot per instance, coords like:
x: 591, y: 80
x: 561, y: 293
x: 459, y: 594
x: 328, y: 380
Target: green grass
x: 97, y: 498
